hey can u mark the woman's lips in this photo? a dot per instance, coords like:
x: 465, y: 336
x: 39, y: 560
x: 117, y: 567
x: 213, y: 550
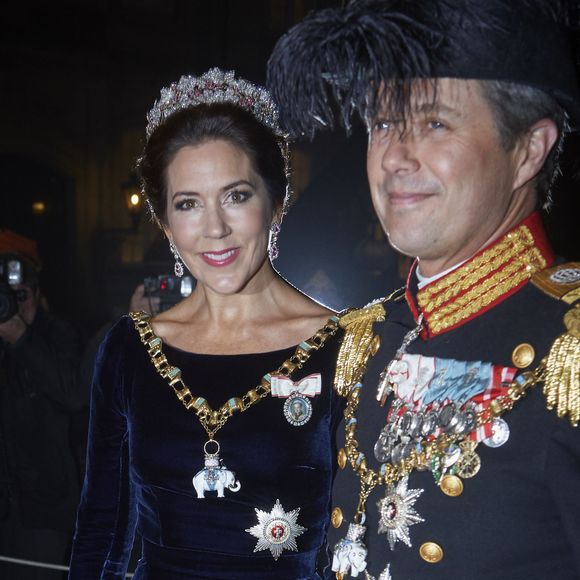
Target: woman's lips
x: 221, y: 258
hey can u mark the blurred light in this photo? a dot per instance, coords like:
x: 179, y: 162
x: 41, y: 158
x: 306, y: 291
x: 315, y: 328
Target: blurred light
x: 133, y: 200
x: 38, y: 207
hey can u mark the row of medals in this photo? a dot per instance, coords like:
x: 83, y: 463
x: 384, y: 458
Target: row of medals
x: 405, y: 430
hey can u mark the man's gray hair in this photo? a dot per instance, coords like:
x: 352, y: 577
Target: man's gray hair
x: 516, y: 108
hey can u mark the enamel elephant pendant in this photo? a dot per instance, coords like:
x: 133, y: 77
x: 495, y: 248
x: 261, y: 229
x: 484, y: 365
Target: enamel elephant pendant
x: 350, y: 553
x: 214, y: 476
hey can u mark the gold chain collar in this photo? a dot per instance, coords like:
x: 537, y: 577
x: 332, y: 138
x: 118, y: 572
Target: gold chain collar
x: 391, y: 473
x: 213, y: 420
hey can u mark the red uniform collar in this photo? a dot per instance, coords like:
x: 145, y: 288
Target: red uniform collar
x: 486, y: 279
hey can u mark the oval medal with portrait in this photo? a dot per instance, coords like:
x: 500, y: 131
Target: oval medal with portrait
x: 297, y: 409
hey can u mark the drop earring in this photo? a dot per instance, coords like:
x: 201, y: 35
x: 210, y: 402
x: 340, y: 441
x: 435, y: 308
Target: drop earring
x: 178, y: 267
x: 273, y: 245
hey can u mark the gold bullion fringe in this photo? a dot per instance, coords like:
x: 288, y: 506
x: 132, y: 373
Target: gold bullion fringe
x: 562, y: 379
x: 358, y: 344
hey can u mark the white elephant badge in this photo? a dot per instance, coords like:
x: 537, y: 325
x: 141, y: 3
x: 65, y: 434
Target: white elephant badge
x: 215, y: 476
x: 350, y: 553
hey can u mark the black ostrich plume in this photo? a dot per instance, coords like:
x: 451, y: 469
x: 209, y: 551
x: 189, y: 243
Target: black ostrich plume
x: 335, y: 55
x: 340, y: 60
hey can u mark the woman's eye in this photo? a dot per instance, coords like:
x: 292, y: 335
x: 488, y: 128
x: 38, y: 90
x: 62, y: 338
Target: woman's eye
x: 186, y: 204
x: 238, y: 196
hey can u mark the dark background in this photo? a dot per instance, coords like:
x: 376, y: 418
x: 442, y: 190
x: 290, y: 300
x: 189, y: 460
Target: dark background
x: 77, y: 79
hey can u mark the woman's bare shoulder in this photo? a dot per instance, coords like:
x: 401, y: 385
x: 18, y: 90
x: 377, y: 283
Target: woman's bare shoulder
x: 172, y: 322
x: 305, y: 315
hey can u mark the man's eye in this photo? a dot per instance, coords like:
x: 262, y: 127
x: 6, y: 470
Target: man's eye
x: 382, y: 126
x: 436, y: 125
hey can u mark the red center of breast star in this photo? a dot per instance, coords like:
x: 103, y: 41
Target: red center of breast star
x: 277, y: 531
x: 391, y: 511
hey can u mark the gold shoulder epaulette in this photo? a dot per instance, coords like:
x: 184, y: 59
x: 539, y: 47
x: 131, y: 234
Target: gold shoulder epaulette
x: 562, y: 365
x: 562, y: 375
x: 358, y: 344
x: 561, y: 282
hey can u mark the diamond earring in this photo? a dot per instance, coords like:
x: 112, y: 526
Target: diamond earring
x: 178, y: 268
x: 273, y: 245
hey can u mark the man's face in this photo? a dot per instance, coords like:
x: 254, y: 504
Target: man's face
x: 445, y: 187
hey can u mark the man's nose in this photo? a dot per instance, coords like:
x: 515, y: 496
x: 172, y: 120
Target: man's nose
x: 400, y: 155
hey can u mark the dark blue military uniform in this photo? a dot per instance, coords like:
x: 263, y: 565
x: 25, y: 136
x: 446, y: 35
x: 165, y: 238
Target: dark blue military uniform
x: 518, y: 518
x: 501, y: 317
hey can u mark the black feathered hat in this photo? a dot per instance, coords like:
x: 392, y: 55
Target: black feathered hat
x: 326, y: 65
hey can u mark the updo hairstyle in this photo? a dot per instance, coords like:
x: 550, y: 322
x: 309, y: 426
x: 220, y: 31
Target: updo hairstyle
x: 199, y: 124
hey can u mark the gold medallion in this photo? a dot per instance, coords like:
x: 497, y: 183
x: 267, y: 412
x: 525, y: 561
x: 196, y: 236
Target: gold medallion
x: 469, y: 463
x: 523, y: 355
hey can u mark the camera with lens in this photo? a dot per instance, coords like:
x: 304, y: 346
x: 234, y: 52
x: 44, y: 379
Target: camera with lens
x: 13, y: 272
x: 170, y: 289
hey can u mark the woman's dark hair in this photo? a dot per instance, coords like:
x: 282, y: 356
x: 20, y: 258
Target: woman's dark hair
x: 195, y: 125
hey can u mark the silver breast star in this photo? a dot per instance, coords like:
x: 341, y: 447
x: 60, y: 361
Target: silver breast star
x: 397, y: 513
x: 276, y: 531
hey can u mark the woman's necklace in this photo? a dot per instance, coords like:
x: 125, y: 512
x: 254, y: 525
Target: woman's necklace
x: 215, y: 476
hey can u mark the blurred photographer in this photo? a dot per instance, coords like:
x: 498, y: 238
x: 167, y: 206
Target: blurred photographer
x: 156, y: 294
x: 39, y: 356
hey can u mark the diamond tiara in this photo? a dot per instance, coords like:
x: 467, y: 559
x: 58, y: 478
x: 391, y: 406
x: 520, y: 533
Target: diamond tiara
x: 214, y: 86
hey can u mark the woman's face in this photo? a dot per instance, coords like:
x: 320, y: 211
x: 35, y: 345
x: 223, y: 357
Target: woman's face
x: 218, y: 215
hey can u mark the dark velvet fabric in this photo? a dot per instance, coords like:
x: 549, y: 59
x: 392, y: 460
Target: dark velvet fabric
x: 145, y: 447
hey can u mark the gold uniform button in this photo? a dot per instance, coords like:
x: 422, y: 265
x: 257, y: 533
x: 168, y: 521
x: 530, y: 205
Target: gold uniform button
x: 572, y: 317
x: 336, y: 517
x: 523, y: 355
x: 452, y: 485
x: 375, y: 344
x: 431, y: 552
x: 342, y: 458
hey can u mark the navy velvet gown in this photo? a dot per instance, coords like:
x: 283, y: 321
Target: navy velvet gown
x: 145, y: 447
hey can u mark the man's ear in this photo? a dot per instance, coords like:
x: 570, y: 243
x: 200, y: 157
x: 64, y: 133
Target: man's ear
x: 534, y: 149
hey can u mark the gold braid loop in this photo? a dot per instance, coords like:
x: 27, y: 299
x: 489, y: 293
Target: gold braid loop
x: 562, y: 374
